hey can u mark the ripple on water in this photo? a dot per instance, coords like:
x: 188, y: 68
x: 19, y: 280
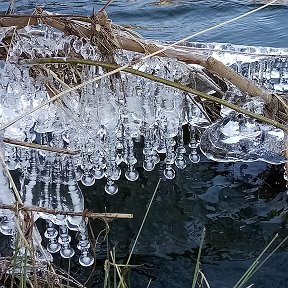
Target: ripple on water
x: 174, y: 19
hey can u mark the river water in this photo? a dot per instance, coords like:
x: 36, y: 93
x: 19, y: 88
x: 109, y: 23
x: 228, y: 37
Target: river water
x: 241, y: 205
x: 174, y: 19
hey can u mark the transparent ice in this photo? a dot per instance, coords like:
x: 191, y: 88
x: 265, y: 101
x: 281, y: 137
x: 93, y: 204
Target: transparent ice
x: 105, y: 119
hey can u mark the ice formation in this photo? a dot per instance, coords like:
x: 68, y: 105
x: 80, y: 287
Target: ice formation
x: 104, y: 118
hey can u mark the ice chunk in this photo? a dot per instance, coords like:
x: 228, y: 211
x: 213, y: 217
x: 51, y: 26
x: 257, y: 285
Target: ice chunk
x: 239, y: 138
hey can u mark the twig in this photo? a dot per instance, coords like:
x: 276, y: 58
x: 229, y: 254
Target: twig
x: 142, y: 224
x: 16, y: 207
x: 113, y: 257
x: 204, y: 278
x: 105, y: 6
x: 150, y: 280
x: 196, y: 272
x: 124, y: 265
x: 254, y: 264
x: 95, y: 242
x: 60, y: 16
x: 257, y: 267
x: 144, y: 219
x: 70, y: 213
x: 11, y: 181
x: 40, y: 147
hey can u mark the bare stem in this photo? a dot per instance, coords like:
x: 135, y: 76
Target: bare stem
x: 40, y: 147
x: 69, y: 213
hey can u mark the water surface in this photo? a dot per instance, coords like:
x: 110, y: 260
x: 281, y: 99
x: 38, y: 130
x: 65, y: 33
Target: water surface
x: 175, y: 19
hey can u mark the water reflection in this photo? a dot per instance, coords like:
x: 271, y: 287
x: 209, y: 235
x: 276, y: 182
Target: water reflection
x: 235, y: 202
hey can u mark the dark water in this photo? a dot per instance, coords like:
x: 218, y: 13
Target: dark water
x: 241, y: 205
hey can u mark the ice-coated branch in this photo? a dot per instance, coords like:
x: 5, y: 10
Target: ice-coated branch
x: 107, y: 216
x: 163, y: 81
x: 40, y: 147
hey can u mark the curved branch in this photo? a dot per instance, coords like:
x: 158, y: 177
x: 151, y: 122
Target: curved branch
x: 159, y: 80
x: 81, y: 28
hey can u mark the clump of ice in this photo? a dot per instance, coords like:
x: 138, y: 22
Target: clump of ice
x: 239, y: 138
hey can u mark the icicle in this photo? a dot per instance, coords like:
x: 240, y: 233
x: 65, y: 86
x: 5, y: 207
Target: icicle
x: 64, y: 239
x: 110, y: 187
x: 169, y: 172
x: 30, y: 188
x: 72, y: 196
x: 55, y: 192
x: 87, y: 178
x: 98, y: 161
x: 131, y: 174
x: 46, y: 186
x: 85, y: 258
x: 112, y: 172
x: 51, y: 234
x: 193, y: 144
x: 180, y: 161
x: 7, y: 222
x: 7, y: 225
x: 148, y: 162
